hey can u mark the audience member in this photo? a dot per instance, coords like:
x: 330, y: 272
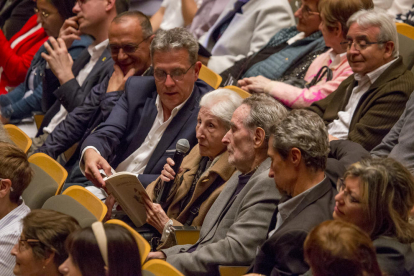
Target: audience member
x: 141, y: 127
x: 174, y: 13
x: 93, y: 65
x: 237, y: 221
x: 242, y: 29
x: 17, y: 53
x: 367, y: 104
x: 206, y: 15
x: 130, y: 36
x: 288, y: 53
x: 204, y: 172
x: 377, y: 196
x: 15, y: 176
x: 14, y: 14
x: 27, y: 97
x: 102, y: 250
x: 336, y: 248
x: 327, y: 71
x: 40, y: 249
x: 299, y: 149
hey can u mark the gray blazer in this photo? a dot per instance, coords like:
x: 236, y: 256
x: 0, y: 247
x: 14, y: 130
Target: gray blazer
x: 231, y: 239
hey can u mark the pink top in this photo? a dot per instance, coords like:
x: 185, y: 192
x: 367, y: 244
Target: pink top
x: 302, y: 97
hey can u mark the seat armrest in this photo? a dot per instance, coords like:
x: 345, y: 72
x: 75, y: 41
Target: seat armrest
x: 187, y: 234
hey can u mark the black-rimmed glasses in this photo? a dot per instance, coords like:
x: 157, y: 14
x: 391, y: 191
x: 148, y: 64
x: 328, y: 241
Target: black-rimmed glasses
x: 175, y: 74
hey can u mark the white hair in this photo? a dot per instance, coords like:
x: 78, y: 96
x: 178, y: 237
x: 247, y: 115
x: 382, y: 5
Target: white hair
x: 222, y: 103
x: 380, y: 19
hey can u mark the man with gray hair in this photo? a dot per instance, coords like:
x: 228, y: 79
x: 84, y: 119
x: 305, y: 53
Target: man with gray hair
x: 367, y: 104
x: 152, y: 114
x: 238, y: 220
x: 299, y: 150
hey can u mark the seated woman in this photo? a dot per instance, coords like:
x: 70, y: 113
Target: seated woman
x: 203, y: 173
x: 27, y: 97
x: 102, y: 250
x: 337, y: 248
x: 377, y: 195
x: 41, y: 247
x: 334, y: 15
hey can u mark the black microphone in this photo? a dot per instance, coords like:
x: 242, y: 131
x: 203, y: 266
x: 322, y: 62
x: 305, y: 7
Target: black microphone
x: 182, y: 147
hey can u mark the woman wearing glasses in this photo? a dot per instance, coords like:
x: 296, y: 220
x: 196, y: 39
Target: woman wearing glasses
x: 41, y: 247
x: 327, y: 71
x: 377, y: 196
x: 27, y: 97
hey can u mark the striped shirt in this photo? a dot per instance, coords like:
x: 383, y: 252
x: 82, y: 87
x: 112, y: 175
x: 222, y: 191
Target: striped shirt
x: 10, y: 230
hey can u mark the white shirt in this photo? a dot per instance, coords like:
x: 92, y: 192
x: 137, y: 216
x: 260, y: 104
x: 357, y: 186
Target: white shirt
x: 10, y: 230
x: 95, y: 52
x: 137, y: 161
x: 297, y: 37
x: 339, y: 128
x: 173, y: 15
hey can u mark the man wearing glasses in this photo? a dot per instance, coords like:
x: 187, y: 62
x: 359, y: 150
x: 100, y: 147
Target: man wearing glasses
x: 15, y: 176
x: 367, y: 104
x: 130, y: 36
x: 152, y: 114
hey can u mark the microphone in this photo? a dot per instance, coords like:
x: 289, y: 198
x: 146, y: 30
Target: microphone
x: 182, y: 147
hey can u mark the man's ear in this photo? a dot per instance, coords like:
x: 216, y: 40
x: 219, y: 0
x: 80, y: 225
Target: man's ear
x: 5, y: 188
x: 389, y: 48
x: 50, y: 255
x: 259, y: 137
x: 110, y: 4
x: 151, y: 38
x: 197, y: 68
x: 295, y: 156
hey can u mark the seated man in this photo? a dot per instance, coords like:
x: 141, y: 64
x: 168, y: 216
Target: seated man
x: 299, y: 149
x: 243, y: 28
x: 92, y: 66
x: 152, y: 114
x: 237, y: 222
x: 16, y: 174
x: 367, y: 104
x: 130, y: 36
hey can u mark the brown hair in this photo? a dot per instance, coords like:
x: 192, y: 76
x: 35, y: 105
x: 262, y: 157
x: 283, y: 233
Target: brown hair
x: 336, y: 248
x: 334, y: 11
x: 387, y: 189
x: 51, y: 228
x: 15, y: 166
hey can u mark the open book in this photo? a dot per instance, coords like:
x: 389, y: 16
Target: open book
x: 129, y: 193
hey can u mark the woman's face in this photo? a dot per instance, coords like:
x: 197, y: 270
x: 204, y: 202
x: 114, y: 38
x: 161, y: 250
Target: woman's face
x: 348, y: 206
x: 69, y: 268
x: 26, y: 263
x: 329, y: 36
x: 210, y: 130
x: 50, y: 18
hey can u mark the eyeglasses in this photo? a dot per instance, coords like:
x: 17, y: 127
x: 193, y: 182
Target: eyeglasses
x: 176, y: 74
x: 306, y: 11
x: 11, y: 188
x: 127, y: 49
x: 360, y: 44
x: 340, y: 186
x: 22, y: 243
x: 42, y: 13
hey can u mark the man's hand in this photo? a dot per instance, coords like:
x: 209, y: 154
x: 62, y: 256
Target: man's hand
x: 93, y: 163
x: 155, y: 215
x: 59, y: 59
x: 118, y: 80
x: 254, y: 84
x: 204, y: 60
x: 331, y: 138
x: 156, y: 255
x: 69, y: 31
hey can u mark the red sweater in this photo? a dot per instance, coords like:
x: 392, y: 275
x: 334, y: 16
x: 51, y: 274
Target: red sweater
x: 16, y: 61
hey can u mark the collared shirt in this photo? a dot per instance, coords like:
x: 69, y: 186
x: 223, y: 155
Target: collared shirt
x: 10, y: 230
x: 339, y: 128
x: 336, y: 59
x: 95, y: 52
x: 137, y: 161
x: 286, y: 208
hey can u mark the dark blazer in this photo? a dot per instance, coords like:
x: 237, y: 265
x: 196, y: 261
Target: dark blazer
x: 71, y: 94
x: 377, y: 110
x: 394, y: 258
x: 282, y: 253
x: 14, y: 16
x: 131, y: 120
